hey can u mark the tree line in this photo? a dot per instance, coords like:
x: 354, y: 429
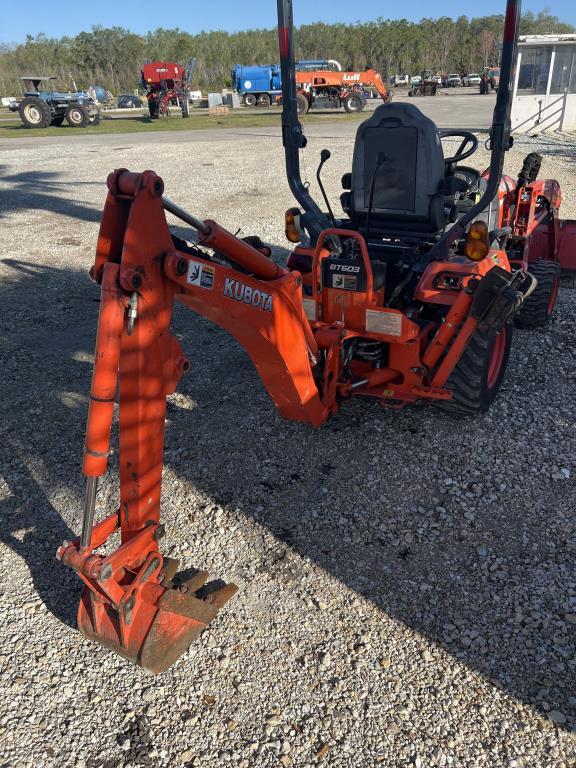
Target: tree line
x: 112, y: 57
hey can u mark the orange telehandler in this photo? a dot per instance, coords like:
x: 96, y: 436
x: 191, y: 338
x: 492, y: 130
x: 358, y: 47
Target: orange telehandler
x: 404, y: 298
x: 321, y: 89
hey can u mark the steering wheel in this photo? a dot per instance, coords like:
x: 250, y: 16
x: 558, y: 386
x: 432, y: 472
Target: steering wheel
x: 461, y: 153
x: 470, y: 175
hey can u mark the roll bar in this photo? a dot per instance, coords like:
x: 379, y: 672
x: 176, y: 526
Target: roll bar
x: 293, y: 137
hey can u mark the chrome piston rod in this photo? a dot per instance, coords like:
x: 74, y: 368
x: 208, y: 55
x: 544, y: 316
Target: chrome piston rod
x: 89, y: 507
x: 183, y: 215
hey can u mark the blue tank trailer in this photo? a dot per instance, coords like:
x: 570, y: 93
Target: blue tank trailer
x: 261, y: 84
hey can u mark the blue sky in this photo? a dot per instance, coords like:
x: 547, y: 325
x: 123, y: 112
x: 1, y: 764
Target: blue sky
x: 68, y: 17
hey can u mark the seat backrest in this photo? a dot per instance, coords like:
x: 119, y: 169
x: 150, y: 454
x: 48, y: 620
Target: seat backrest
x: 402, y: 147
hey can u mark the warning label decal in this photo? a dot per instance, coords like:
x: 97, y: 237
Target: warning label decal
x: 388, y: 323
x: 200, y: 274
x: 309, y: 308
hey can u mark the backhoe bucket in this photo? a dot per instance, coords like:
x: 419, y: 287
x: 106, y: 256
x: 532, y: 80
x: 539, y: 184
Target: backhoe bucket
x: 162, y: 632
x: 143, y: 615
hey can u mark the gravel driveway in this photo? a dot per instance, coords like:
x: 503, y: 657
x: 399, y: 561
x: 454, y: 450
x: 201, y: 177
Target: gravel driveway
x: 407, y: 585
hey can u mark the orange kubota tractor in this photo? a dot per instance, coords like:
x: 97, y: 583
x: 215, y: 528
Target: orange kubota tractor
x: 322, y: 89
x: 406, y: 297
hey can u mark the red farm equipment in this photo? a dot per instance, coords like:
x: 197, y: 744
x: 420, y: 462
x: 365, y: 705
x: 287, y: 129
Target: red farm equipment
x: 167, y: 83
x: 538, y: 240
x: 524, y: 218
x: 427, y: 86
x: 408, y: 297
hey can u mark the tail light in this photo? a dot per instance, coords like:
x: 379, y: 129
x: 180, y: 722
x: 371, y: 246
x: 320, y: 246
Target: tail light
x: 292, y: 226
x: 477, y: 245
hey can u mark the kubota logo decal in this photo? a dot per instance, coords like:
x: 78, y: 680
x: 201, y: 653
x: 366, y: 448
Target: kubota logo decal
x: 248, y: 295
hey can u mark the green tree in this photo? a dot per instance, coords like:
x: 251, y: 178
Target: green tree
x: 113, y: 56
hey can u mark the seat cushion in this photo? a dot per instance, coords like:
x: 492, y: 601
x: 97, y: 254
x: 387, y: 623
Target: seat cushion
x: 402, y: 147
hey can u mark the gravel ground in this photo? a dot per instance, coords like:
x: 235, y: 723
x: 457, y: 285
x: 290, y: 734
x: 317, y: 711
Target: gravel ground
x: 407, y: 587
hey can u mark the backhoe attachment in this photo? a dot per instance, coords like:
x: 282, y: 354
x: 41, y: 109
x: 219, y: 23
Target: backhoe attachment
x: 301, y: 347
x: 133, y: 602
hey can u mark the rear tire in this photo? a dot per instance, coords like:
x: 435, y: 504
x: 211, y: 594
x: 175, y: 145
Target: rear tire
x: 77, y: 116
x: 250, y: 100
x: 353, y: 103
x: 539, y: 306
x: 478, y: 376
x: 264, y: 100
x: 302, y: 103
x: 35, y: 113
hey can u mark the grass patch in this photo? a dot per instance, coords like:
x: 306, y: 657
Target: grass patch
x: 13, y: 129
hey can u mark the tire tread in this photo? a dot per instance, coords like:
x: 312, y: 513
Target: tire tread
x: 534, y: 312
x: 467, y: 381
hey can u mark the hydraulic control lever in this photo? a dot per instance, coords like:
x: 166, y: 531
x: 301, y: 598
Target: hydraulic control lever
x: 324, y: 156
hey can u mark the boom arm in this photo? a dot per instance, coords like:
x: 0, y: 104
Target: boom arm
x: 130, y: 602
x: 378, y: 83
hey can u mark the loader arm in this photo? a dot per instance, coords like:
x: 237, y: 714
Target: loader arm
x: 377, y: 82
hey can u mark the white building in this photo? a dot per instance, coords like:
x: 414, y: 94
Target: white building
x: 544, y: 95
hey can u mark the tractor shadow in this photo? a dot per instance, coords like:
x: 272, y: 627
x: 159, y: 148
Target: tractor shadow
x: 484, y: 576
x: 43, y: 191
x: 41, y: 404
x: 476, y: 574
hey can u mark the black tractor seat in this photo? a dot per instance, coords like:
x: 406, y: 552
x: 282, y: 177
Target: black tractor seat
x: 399, y: 167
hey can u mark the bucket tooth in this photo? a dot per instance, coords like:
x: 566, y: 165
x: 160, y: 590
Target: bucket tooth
x: 195, y: 582
x: 221, y: 595
x: 169, y: 568
x: 183, y: 610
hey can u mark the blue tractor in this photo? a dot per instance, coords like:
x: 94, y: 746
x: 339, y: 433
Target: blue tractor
x: 41, y: 107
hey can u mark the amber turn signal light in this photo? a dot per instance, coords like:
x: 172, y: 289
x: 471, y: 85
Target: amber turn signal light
x: 292, y: 225
x: 477, y: 245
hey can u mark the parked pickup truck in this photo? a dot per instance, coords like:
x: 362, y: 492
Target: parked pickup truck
x: 454, y: 81
x: 471, y: 79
